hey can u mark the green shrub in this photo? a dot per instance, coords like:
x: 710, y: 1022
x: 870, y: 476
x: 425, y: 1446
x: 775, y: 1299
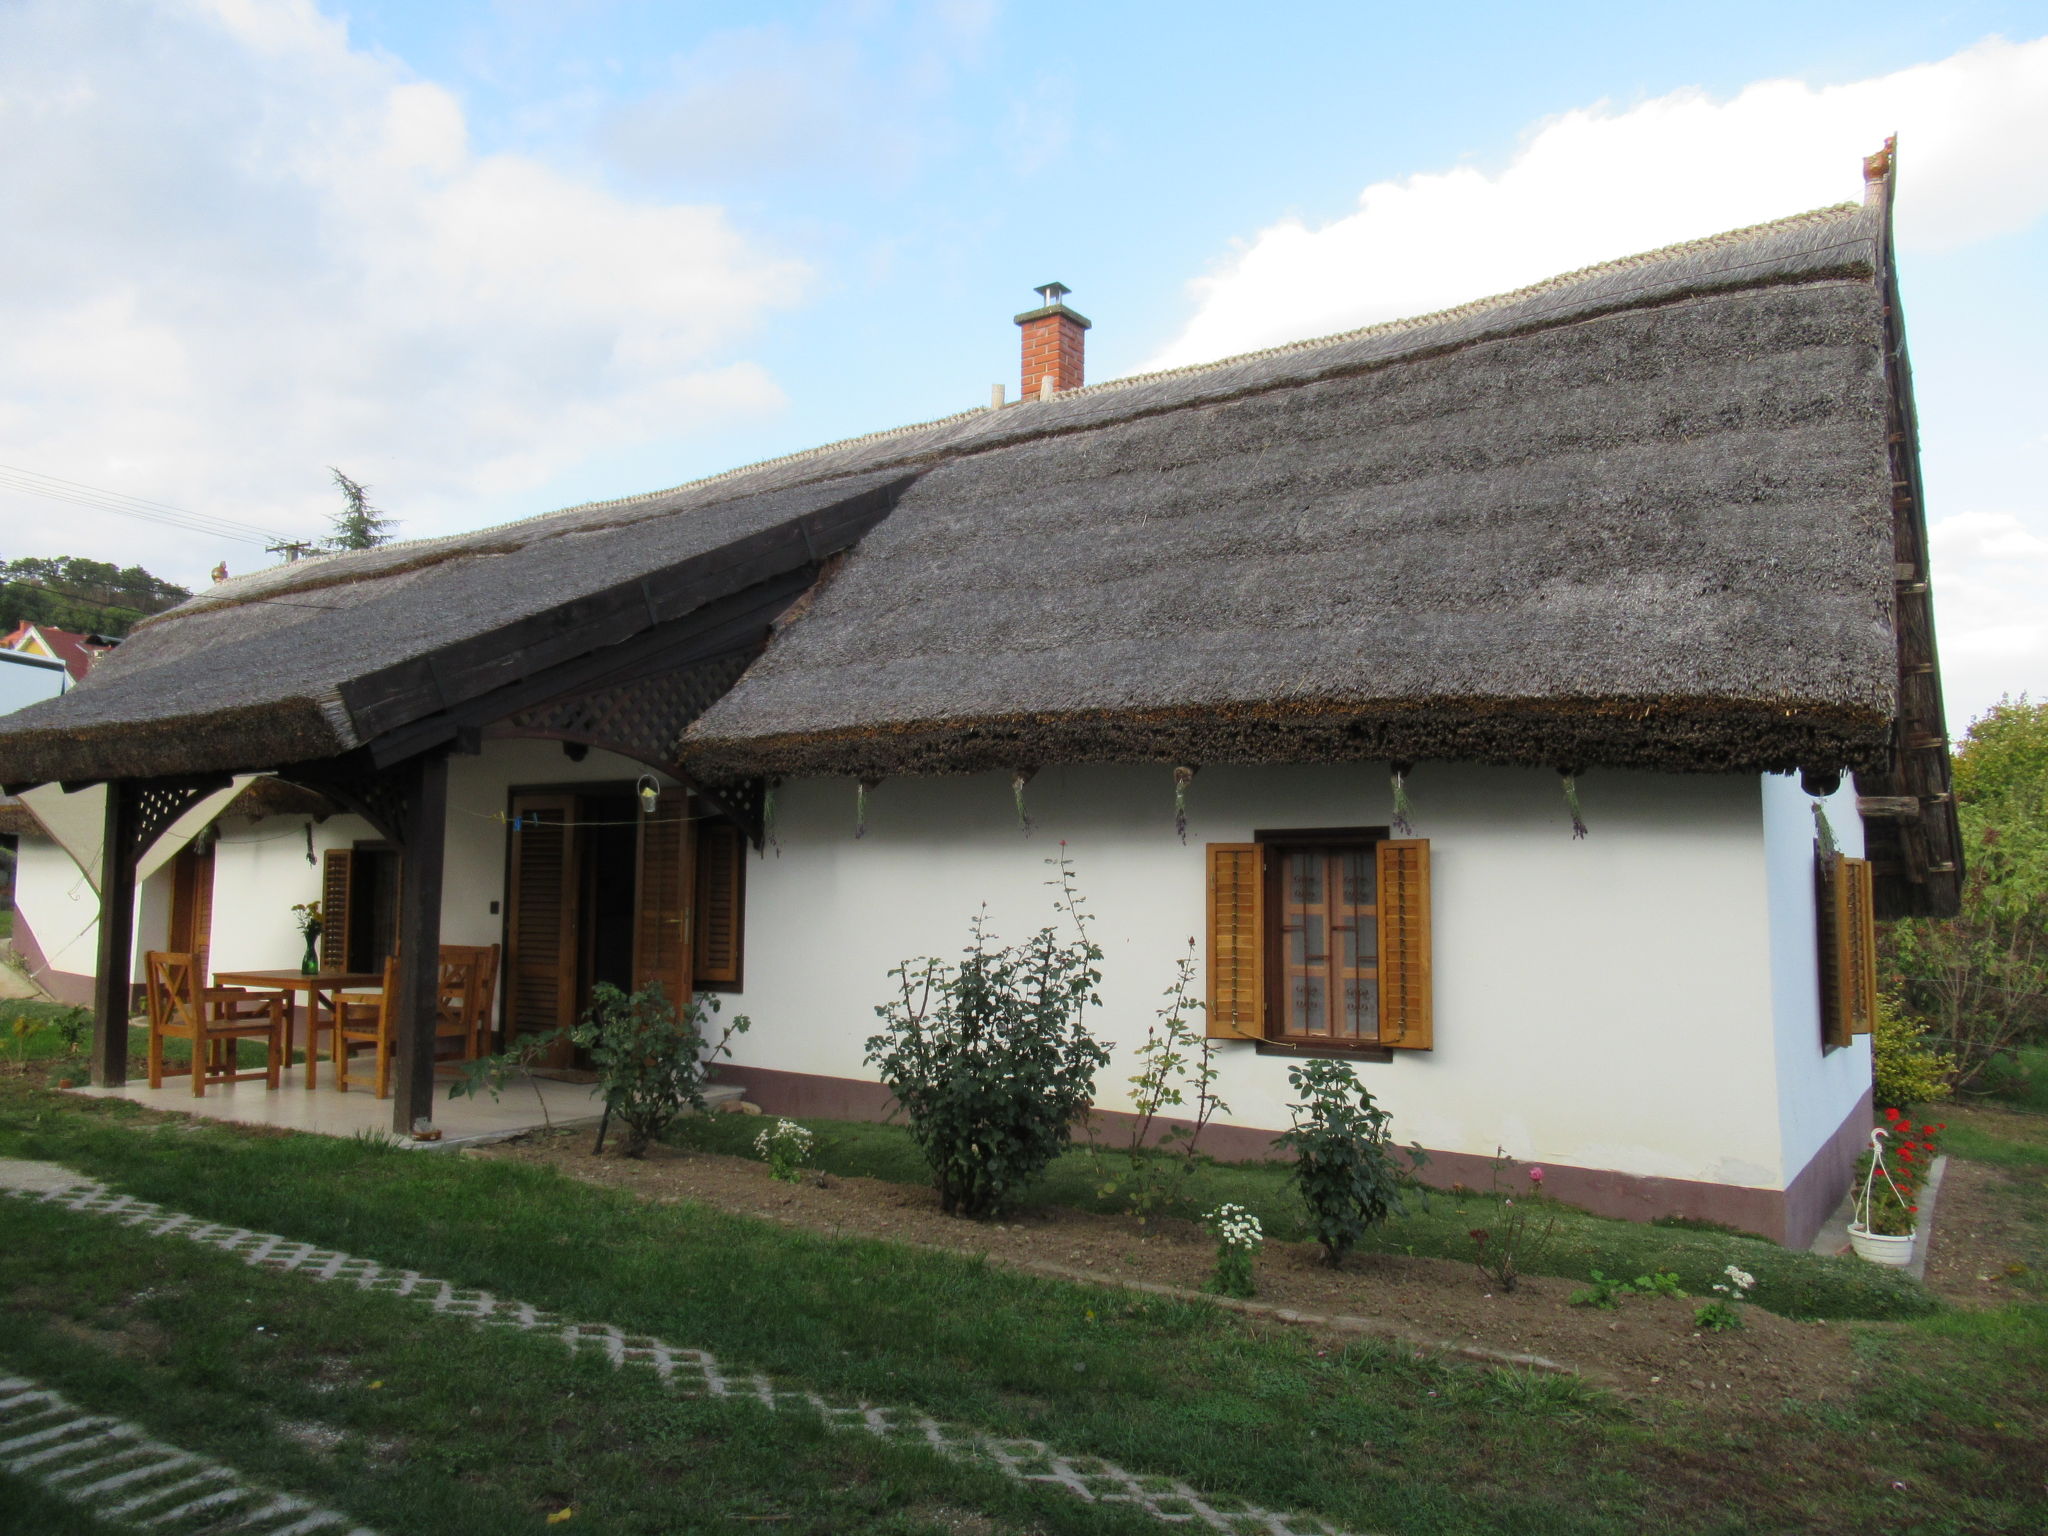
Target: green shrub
x: 991, y: 1059
x: 651, y: 1064
x: 1905, y: 1069
x: 1342, y: 1168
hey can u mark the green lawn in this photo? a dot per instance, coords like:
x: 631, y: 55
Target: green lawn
x: 474, y: 1430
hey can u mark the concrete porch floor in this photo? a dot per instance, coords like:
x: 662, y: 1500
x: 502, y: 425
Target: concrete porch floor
x: 326, y: 1111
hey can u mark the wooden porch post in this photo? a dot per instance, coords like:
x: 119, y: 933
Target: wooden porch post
x: 111, y: 988
x: 419, y: 939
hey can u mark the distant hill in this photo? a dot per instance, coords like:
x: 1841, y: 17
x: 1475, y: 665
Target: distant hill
x: 87, y: 595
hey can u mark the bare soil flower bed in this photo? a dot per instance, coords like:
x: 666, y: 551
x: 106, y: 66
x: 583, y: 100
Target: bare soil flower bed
x: 1646, y: 1348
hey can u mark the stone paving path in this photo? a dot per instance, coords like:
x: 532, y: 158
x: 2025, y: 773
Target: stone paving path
x: 119, y: 1473
x: 695, y: 1372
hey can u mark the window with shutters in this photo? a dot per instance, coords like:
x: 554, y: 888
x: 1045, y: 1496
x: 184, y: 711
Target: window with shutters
x: 1319, y: 939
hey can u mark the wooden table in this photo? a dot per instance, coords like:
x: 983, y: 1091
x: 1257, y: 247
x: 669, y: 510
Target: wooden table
x: 319, y: 987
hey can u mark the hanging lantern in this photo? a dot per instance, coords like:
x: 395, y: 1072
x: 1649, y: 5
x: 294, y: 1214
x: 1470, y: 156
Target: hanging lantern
x: 650, y: 793
x: 1018, y: 780
x: 1182, y: 778
x: 1571, y: 799
x: 1398, y: 774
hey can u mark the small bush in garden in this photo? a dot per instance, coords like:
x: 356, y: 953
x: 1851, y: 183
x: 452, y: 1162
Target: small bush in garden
x: 1520, y: 1235
x: 787, y: 1147
x: 1887, y: 1190
x: 1905, y: 1069
x: 1609, y: 1294
x: 651, y: 1063
x: 74, y: 1027
x: 1238, y: 1240
x: 1725, y: 1311
x: 1343, y: 1163
x: 991, y: 1058
x: 1176, y: 1061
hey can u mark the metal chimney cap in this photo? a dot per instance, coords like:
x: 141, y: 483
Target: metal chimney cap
x: 1052, y: 293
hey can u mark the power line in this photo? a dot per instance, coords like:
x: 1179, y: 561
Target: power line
x: 53, y: 488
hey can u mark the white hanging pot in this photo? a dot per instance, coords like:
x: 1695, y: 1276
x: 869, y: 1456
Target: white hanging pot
x: 1880, y: 1247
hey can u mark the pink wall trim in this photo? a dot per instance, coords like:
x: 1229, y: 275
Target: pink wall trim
x: 1817, y: 1189
x: 64, y: 986
x: 1789, y: 1216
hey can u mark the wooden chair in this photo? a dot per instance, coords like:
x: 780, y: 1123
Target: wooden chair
x: 469, y: 982
x: 215, y: 1019
x: 463, y: 991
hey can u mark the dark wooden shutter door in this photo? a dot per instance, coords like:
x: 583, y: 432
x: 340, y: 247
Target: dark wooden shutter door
x: 1237, y: 942
x: 540, y: 925
x: 721, y: 906
x: 662, y: 926
x: 1406, y: 1015
x: 192, y: 907
x: 337, y: 888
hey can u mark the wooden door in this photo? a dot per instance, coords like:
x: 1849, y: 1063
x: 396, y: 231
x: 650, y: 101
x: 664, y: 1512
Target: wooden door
x: 664, y: 923
x: 192, y: 906
x: 541, y: 917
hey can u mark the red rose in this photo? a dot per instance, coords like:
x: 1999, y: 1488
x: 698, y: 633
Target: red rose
x: 1891, y: 1114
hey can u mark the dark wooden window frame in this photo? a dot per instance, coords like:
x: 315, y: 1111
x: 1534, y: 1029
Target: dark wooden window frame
x: 1277, y: 1042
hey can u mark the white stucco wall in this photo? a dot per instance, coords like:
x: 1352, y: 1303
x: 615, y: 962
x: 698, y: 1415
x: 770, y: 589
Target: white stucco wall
x: 1606, y: 1003
x: 260, y: 871
x: 58, y: 905
x: 1817, y: 1090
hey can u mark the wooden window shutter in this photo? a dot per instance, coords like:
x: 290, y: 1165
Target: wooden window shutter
x: 1237, y: 942
x: 1855, y: 956
x: 337, y: 888
x: 662, y: 923
x: 721, y: 905
x: 541, y: 916
x: 1405, y: 1011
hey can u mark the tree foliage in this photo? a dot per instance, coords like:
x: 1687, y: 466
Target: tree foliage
x: 89, y: 596
x: 358, y: 525
x: 1979, y: 981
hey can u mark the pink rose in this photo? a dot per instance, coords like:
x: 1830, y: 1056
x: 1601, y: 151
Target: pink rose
x: 1535, y: 1175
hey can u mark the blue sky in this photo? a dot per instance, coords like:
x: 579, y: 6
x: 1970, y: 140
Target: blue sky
x: 495, y: 258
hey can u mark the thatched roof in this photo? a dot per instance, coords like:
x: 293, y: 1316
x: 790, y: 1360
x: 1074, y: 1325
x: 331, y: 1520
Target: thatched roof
x: 1638, y: 515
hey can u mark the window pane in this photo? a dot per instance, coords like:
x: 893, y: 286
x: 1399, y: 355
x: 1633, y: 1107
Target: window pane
x: 1308, y: 1013
x: 1329, y: 942
x: 1360, y: 871
x: 1362, y: 1008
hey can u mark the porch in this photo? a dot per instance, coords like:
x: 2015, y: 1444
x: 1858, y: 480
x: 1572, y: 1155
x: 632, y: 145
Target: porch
x: 525, y: 1104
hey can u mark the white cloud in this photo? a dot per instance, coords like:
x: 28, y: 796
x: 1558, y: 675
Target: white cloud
x: 240, y: 249
x: 1601, y: 182
x: 1991, y: 574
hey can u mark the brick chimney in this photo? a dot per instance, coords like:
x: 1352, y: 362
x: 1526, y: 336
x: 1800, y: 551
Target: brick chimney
x: 1055, y: 337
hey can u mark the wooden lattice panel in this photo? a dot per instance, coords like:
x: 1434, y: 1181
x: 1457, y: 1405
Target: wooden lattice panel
x: 642, y: 719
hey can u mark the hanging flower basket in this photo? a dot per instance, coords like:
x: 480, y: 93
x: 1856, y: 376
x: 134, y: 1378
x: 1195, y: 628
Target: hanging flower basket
x: 1882, y: 1247
x: 1885, y: 1220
